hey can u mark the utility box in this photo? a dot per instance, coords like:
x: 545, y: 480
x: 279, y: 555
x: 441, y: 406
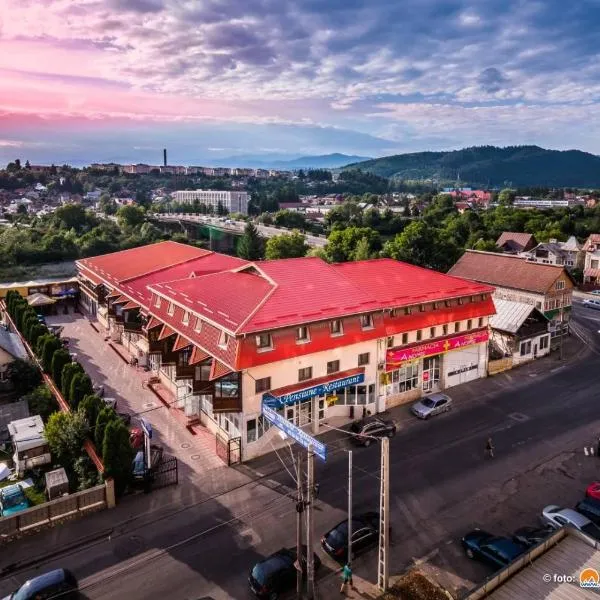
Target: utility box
x: 57, y: 483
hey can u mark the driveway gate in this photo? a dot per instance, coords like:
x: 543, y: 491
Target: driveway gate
x: 229, y: 450
x: 166, y: 473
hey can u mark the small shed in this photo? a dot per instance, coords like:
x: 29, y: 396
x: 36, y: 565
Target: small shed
x: 57, y: 483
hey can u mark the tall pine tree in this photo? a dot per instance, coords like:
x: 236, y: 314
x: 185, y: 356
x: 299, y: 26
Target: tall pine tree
x: 251, y: 245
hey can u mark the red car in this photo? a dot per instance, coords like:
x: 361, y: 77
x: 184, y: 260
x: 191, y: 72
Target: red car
x: 593, y: 490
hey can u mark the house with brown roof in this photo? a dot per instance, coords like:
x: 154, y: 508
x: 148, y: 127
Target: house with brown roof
x: 591, y: 265
x: 547, y: 287
x: 514, y: 242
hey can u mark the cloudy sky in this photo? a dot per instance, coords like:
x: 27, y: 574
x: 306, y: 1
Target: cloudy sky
x: 87, y: 80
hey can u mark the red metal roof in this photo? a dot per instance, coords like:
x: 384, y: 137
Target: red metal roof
x: 180, y: 343
x: 296, y: 387
x: 165, y: 333
x: 153, y: 322
x: 198, y: 356
x: 218, y: 369
x: 131, y: 305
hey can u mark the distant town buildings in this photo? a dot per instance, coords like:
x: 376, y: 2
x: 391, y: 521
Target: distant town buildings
x: 230, y: 201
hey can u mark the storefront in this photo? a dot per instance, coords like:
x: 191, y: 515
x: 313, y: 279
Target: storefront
x: 412, y: 371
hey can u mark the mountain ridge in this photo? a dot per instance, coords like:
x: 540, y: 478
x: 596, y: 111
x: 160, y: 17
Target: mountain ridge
x: 319, y: 161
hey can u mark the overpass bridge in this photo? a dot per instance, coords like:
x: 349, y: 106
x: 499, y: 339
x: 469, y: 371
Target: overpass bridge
x: 225, y: 225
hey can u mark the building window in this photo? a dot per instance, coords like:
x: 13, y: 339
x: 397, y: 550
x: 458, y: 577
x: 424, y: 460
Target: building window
x: 302, y: 335
x: 461, y: 300
x: 405, y: 338
x: 480, y: 322
x: 186, y: 318
x: 394, y: 312
x: 473, y: 299
x: 198, y: 326
x: 436, y: 305
x: 406, y: 378
x: 421, y: 308
x: 419, y: 335
x: 432, y: 332
x: 262, y: 385
x: 560, y: 285
x: 390, y: 341
x: 304, y: 374
x: 445, y: 329
x: 223, y: 339
x: 470, y: 324
x: 336, y: 327
x: 363, y: 359
x: 157, y: 302
x: 171, y: 309
x: 448, y: 303
x: 333, y: 366
x: 457, y: 327
x: 407, y: 310
x: 264, y: 341
x: 251, y: 431
x: 544, y: 342
x: 366, y: 321
x: 525, y: 348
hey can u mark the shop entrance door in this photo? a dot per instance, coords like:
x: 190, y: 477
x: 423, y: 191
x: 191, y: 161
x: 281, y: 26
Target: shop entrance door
x: 431, y: 373
x: 304, y: 413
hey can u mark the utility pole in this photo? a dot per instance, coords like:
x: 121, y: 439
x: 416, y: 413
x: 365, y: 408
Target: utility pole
x: 310, y: 559
x: 384, y: 518
x: 350, y: 508
x: 299, y: 511
x: 562, y: 331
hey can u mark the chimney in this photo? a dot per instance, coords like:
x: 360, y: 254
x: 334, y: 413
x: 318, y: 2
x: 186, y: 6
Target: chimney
x: 165, y: 157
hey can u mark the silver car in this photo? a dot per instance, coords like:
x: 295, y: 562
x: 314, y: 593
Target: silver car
x: 592, y: 303
x: 559, y: 517
x: 431, y: 405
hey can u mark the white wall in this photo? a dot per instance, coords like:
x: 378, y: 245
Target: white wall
x: 466, y: 365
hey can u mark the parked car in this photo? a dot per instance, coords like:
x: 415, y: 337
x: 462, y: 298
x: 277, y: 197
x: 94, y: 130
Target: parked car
x: 595, y: 292
x: 593, y: 490
x: 136, y: 437
x: 59, y: 583
x: 12, y: 499
x: 531, y: 536
x: 138, y: 467
x: 372, y: 427
x: 559, y: 517
x: 590, y: 508
x: 365, y: 533
x: 431, y: 405
x: 494, y: 550
x: 277, y: 573
x: 592, y: 303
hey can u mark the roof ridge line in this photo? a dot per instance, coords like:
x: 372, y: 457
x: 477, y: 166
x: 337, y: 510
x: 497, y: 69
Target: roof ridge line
x: 258, y: 307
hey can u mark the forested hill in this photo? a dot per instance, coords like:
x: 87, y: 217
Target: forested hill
x: 519, y: 166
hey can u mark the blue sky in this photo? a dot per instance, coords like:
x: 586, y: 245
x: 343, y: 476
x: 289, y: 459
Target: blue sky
x: 120, y: 79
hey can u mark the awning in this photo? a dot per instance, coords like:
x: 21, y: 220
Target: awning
x: 112, y: 295
x: 180, y: 343
x: 153, y: 322
x: 121, y: 300
x: 131, y: 306
x: 298, y: 392
x: 198, y: 356
x: 36, y: 300
x: 218, y: 369
x: 165, y: 333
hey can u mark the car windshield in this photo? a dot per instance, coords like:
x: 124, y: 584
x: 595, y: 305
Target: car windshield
x: 591, y: 530
x: 263, y: 571
x: 338, y: 536
x: 428, y: 402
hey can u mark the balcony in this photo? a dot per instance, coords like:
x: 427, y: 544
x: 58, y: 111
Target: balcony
x: 227, y: 404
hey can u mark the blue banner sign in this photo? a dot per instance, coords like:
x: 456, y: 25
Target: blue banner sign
x: 294, y: 432
x: 317, y: 390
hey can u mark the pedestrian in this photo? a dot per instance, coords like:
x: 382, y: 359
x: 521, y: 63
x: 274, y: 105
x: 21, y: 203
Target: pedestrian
x: 489, y: 448
x: 346, y: 577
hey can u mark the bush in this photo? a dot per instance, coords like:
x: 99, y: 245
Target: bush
x: 68, y: 372
x: 117, y: 455
x: 66, y: 433
x: 49, y: 347
x: 105, y: 416
x: 85, y: 472
x: 81, y: 386
x: 41, y: 402
x: 90, y: 408
x: 36, y: 331
x: 24, y: 375
x: 59, y: 359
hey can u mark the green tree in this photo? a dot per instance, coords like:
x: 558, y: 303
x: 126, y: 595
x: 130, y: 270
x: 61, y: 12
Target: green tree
x: 36, y: 331
x: 105, y: 416
x: 363, y: 250
x: 71, y: 216
x: 66, y: 433
x: 287, y: 245
x: 81, y: 386
x: 90, y: 407
x: 60, y: 358
x: 69, y: 371
x: 250, y: 246
x: 24, y: 376
x: 290, y: 219
x: 117, y: 454
x: 41, y: 402
x: 342, y: 243
x: 130, y: 216
x: 50, y: 346
x: 507, y: 197
x: 86, y: 473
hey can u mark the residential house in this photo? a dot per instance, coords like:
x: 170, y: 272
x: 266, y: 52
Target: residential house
x: 11, y: 349
x: 518, y: 330
x: 30, y: 444
x: 547, y: 287
x: 591, y: 267
x: 514, y: 242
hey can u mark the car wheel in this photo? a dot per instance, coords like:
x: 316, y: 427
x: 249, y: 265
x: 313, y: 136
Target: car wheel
x: 367, y: 443
x: 470, y: 553
x: 426, y: 417
x: 391, y: 433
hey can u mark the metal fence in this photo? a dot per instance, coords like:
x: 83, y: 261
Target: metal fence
x: 166, y: 473
x: 50, y: 512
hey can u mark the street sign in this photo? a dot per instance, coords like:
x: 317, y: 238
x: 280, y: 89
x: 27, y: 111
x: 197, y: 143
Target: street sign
x: 294, y: 432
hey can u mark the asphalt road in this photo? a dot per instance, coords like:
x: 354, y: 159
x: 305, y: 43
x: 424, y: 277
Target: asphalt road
x: 441, y: 485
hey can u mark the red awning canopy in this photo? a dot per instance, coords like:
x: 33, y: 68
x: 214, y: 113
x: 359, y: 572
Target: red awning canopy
x: 131, y: 306
x: 198, y: 356
x: 165, y: 333
x: 180, y: 343
x: 121, y: 300
x: 218, y: 369
x: 153, y: 322
x: 113, y: 295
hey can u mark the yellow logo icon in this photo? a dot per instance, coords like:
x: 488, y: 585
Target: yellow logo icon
x: 589, y: 578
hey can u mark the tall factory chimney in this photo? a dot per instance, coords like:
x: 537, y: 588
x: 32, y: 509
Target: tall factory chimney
x: 165, y: 157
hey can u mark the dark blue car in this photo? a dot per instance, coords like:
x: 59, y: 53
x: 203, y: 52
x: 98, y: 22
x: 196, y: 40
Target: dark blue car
x: 494, y: 550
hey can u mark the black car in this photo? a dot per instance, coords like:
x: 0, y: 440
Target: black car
x: 59, y: 583
x: 365, y: 533
x: 367, y: 429
x: 277, y: 573
x: 494, y: 550
x: 531, y: 536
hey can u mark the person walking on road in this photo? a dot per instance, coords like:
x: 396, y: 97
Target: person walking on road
x: 346, y: 577
x: 489, y: 448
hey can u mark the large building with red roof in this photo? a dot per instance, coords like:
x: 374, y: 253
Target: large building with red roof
x: 320, y: 341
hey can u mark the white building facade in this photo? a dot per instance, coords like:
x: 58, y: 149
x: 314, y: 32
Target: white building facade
x: 232, y: 201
